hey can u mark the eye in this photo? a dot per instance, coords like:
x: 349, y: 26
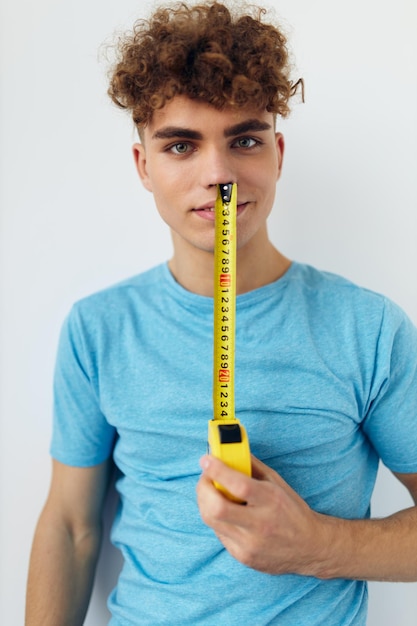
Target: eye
x: 179, y: 148
x: 246, y: 142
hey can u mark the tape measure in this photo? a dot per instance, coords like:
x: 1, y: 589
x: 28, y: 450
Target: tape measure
x: 227, y: 437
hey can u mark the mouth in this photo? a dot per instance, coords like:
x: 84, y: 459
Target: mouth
x: 207, y: 211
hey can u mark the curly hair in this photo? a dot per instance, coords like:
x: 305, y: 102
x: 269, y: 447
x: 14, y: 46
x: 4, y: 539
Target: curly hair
x: 207, y: 53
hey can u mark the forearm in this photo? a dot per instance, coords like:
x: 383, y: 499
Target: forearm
x: 375, y: 549
x: 61, y: 574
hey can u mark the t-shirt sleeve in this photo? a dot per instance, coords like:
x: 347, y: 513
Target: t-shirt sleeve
x: 391, y: 420
x: 81, y: 435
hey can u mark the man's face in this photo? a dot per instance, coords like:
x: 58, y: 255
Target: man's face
x: 189, y: 148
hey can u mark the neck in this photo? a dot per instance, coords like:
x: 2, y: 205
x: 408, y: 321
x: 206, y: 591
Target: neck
x: 256, y: 266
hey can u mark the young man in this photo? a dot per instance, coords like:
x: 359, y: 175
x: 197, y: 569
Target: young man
x: 326, y: 376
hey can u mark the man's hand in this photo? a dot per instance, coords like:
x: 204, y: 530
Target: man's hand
x: 275, y: 532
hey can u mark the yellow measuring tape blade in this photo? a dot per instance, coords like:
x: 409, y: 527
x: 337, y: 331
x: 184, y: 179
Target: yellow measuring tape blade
x: 227, y: 437
x: 224, y: 302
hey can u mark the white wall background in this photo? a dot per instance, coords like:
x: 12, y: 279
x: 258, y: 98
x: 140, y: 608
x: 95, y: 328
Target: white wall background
x: 74, y: 218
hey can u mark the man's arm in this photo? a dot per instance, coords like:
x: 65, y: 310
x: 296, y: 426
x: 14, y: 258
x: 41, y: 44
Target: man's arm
x: 278, y: 533
x: 66, y: 546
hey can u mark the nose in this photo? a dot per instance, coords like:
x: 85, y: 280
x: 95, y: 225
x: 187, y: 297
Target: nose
x: 217, y: 167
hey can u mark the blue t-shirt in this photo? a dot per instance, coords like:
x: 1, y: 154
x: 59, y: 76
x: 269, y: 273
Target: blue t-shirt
x: 326, y: 385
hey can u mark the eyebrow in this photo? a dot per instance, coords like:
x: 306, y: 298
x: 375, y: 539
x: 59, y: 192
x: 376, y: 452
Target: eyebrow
x: 247, y: 126
x: 173, y: 132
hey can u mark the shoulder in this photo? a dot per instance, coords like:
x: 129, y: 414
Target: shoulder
x: 106, y: 313
x: 339, y: 301
x: 329, y: 283
x: 327, y: 287
x: 121, y: 295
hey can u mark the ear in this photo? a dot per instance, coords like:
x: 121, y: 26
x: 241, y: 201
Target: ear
x: 139, y: 156
x: 280, y: 145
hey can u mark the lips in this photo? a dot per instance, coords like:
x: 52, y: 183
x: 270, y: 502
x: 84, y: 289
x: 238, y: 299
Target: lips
x: 209, y: 206
x: 208, y: 209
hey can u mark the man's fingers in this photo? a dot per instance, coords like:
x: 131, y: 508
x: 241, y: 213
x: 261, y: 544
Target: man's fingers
x: 263, y: 472
x: 236, y: 483
x: 260, y: 471
x: 244, y: 488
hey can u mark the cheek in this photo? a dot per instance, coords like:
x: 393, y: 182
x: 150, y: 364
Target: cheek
x: 164, y: 206
x: 168, y: 180
x: 158, y: 180
x: 264, y: 180
x: 168, y: 201
x: 264, y: 173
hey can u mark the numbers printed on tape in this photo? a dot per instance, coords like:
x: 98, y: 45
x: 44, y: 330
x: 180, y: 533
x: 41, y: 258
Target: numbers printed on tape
x: 224, y: 301
x: 224, y: 280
